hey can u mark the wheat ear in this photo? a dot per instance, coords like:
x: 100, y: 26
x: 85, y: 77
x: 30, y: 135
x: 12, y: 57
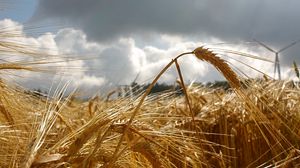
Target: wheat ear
x: 220, y: 64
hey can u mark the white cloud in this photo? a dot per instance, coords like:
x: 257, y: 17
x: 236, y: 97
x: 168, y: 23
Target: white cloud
x: 106, y: 65
x: 50, y: 47
x: 9, y: 25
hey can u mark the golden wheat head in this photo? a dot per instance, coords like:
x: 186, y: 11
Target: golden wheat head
x: 210, y: 57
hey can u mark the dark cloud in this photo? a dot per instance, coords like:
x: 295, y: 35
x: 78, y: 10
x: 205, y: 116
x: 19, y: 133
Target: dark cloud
x: 276, y: 23
x: 102, y: 19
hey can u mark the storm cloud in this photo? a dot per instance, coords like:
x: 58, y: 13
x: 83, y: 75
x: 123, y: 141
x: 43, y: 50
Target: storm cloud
x: 276, y: 23
x: 228, y: 19
x: 137, y: 38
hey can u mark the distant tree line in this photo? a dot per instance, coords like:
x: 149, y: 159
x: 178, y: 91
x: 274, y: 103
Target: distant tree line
x: 135, y: 88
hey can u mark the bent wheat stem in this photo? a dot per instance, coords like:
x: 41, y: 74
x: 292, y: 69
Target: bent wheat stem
x: 202, y: 54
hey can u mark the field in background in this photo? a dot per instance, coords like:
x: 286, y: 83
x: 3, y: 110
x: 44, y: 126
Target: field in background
x: 256, y: 128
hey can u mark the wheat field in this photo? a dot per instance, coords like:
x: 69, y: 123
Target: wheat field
x: 255, y: 123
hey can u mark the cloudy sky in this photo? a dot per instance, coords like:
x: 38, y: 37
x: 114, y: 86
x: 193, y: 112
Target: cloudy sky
x: 136, y: 38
